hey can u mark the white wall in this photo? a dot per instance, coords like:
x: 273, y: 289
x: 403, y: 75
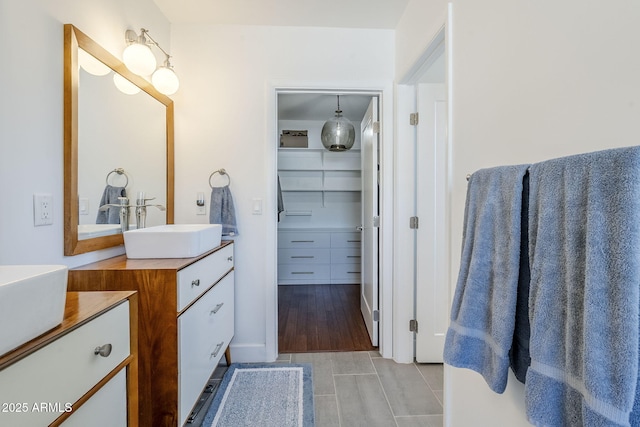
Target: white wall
x: 531, y: 81
x: 417, y: 27
x: 225, y: 118
x: 31, y: 115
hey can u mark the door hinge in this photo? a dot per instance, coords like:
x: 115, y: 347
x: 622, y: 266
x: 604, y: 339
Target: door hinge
x: 376, y: 221
x: 413, y: 223
x: 376, y: 127
x: 413, y: 119
x: 413, y: 325
x: 376, y: 315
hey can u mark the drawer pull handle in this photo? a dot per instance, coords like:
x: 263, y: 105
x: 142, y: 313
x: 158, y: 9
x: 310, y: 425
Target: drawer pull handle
x: 353, y: 272
x: 217, y: 308
x: 230, y: 259
x: 195, y: 283
x: 303, y: 256
x: 302, y: 241
x: 353, y: 256
x: 302, y: 272
x: 217, y: 349
x: 353, y: 241
x: 103, y: 350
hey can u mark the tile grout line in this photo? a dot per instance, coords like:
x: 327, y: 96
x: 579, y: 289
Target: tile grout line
x: 335, y: 392
x: 384, y: 392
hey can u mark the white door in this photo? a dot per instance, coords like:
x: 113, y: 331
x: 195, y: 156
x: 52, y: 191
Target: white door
x: 370, y: 220
x: 431, y: 238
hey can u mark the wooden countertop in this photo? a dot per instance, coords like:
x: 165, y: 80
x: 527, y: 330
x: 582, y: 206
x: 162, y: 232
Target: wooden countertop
x: 80, y: 308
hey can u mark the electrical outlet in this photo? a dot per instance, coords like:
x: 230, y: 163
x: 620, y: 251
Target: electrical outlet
x: 42, y: 209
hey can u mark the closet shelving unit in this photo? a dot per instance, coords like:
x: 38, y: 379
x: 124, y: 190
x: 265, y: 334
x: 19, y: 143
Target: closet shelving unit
x: 304, y: 170
x: 319, y: 242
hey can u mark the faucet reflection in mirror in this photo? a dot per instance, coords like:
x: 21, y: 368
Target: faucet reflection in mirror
x: 124, y: 209
x: 139, y: 59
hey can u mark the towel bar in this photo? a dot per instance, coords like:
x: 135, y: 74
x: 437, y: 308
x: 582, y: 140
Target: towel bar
x: 221, y: 172
x: 119, y: 171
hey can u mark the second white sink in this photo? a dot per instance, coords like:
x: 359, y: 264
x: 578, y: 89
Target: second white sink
x: 172, y: 240
x: 32, y: 300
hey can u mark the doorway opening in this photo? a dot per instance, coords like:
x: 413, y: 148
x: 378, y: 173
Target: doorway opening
x: 327, y: 270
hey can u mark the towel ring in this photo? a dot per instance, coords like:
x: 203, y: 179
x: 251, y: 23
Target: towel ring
x: 119, y: 171
x: 221, y: 172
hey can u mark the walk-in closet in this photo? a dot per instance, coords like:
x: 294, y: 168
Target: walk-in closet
x: 320, y: 237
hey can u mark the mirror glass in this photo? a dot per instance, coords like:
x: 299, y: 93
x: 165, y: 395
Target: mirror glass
x: 116, y: 143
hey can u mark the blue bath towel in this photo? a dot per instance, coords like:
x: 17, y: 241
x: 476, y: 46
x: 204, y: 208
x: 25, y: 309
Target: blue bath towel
x: 584, y: 253
x: 519, y: 358
x: 110, y: 196
x: 483, y: 311
x: 222, y: 210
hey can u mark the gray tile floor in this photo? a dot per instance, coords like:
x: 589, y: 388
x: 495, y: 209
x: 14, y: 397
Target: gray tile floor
x: 363, y: 389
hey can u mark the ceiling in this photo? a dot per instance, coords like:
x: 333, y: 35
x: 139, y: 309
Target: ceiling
x: 320, y: 106
x: 380, y: 14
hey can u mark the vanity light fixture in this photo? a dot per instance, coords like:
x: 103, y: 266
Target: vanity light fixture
x: 338, y: 133
x: 139, y: 58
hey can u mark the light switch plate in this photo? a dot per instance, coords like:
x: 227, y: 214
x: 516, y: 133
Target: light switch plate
x: 256, y: 207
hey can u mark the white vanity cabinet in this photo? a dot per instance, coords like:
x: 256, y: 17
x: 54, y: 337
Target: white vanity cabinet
x: 318, y: 256
x: 78, y: 370
x: 186, y: 322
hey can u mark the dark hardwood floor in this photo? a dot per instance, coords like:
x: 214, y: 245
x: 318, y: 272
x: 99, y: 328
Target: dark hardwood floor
x: 315, y: 318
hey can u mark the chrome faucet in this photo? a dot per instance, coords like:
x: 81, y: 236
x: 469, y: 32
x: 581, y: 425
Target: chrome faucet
x: 124, y: 211
x: 141, y: 209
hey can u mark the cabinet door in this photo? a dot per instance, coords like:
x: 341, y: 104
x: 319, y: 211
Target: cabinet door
x: 106, y: 408
x: 304, y: 256
x: 303, y: 239
x: 198, y: 277
x: 64, y: 370
x: 204, y: 332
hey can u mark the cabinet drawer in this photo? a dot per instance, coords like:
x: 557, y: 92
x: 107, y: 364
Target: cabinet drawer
x: 106, y: 408
x: 345, y: 271
x: 346, y: 240
x: 307, y: 272
x: 204, y: 332
x: 64, y: 370
x: 345, y: 256
x: 198, y: 277
x: 303, y: 239
x: 303, y: 256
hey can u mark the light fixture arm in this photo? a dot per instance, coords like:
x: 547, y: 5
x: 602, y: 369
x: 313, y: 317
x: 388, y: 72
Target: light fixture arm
x: 131, y: 37
x: 140, y: 59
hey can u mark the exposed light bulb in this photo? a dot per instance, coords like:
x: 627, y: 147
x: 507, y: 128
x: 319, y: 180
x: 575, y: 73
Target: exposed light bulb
x: 139, y: 59
x: 91, y: 64
x: 124, y: 85
x: 165, y: 80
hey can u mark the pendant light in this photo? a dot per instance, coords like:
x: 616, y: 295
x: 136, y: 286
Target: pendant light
x: 338, y: 133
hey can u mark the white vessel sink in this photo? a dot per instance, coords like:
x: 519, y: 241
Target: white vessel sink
x: 172, y: 240
x: 32, y: 299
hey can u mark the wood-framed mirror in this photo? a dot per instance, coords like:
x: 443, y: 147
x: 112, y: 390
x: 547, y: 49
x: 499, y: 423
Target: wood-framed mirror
x: 106, y: 130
